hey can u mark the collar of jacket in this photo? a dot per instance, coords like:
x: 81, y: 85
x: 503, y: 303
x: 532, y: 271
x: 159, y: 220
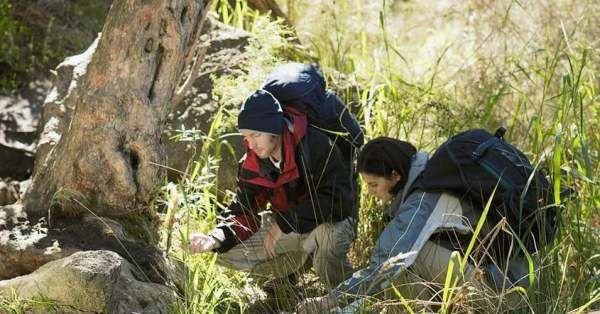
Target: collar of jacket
x: 417, y: 165
x: 292, y: 136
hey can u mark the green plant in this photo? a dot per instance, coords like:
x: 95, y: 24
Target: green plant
x: 36, y: 36
x: 12, y: 304
x: 424, y: 72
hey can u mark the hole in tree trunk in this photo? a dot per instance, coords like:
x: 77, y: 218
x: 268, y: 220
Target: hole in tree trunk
x: 134, y: 161
x: 149, y: 44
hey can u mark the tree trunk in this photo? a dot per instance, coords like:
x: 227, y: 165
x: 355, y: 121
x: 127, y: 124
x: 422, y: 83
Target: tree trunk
x: 108, y: 161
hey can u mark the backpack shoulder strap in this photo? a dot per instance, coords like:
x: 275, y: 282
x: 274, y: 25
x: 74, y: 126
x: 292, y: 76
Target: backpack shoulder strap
x: 485, y: 146
x: 303, y: 145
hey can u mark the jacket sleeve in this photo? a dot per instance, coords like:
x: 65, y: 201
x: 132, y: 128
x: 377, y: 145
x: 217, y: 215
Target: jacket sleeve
x: 240, y: 220
x: 329, y: 184
x: 396, y: 249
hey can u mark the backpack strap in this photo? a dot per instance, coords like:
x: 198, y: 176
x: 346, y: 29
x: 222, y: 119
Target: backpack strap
x: 303, y: 145
x: 485, y: 146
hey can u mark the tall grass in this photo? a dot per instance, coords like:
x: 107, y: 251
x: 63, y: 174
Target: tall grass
x: 543, y: 88
x: 421, y: 72
x: 193, y: 204
x: 424, y: 72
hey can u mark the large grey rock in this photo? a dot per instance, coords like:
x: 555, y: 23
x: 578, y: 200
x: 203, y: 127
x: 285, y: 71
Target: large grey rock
x: 25, y: 246
x: 93, y: 281
x: 19, y: 119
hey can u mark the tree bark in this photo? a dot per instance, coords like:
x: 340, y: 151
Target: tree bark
x: 107, y: 161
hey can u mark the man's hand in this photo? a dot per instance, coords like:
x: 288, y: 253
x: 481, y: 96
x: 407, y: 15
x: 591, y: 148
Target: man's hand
x: 271, y: 239
x: 200, y: 243
x: 316, y: 305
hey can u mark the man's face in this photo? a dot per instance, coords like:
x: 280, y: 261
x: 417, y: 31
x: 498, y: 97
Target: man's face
x: 263, y: 144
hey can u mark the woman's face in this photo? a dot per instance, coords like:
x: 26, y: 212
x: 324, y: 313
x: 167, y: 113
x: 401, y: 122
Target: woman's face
x: 380, y: 186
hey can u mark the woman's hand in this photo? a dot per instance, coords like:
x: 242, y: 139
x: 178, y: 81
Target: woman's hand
x: 317, y: 305
x: 201, y: 243
x: 271, y: 239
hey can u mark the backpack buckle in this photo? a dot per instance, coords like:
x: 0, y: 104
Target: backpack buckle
x: 500, y: 132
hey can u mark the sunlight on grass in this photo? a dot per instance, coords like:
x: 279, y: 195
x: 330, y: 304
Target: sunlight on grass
x: 422, y: 72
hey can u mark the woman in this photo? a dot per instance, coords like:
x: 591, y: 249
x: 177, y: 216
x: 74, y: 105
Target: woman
x: 416, y: 246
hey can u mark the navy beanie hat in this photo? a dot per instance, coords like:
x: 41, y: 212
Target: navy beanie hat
x: 261, y: 112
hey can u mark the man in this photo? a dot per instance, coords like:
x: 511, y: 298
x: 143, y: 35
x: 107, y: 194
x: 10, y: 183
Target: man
x: 301, y: 173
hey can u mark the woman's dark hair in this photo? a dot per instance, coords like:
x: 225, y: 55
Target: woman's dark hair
x: 382, y: 155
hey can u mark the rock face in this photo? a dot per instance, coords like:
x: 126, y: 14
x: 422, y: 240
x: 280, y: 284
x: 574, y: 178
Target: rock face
x: 19, y: 119
x: 25, y: 246
x: 9, y: 192
x: 39, y: 34
x: 226, y: 50
x: 93, y: 281
x: 58, y: 111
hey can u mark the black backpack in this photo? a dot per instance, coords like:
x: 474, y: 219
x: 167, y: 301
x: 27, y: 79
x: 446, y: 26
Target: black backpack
x: 473, y: 163
x: 302, y: 86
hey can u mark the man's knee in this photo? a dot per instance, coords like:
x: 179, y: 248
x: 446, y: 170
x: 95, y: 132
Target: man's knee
x: 330, y: 245
x: 235, y: 259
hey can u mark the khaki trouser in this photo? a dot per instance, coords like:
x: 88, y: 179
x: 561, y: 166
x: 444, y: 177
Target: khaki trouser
x: 423, y: 282
x: 428, y: 273
x: 328, y: 244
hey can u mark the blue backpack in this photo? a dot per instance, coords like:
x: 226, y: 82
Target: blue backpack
x: 302, y: 86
